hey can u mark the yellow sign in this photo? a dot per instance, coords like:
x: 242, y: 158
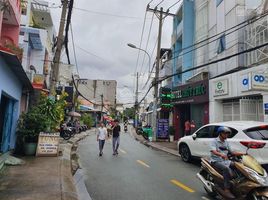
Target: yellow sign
x: 48, y: 144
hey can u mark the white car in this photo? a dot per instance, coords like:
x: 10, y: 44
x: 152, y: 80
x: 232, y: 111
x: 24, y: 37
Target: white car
x: 244, y: 133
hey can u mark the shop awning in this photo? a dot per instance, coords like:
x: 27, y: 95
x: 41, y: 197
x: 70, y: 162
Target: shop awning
x: 15, y: 65
x: 85, y: 108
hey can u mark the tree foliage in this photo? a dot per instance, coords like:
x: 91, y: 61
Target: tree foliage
x: 130, y: 113
x: 46, y: 116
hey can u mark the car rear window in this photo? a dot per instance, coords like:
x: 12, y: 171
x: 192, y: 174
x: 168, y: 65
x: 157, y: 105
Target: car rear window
x: 232, y: 134
x: 257, y: 133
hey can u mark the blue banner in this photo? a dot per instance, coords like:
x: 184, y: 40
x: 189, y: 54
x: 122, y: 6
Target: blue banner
x: 162, y: 128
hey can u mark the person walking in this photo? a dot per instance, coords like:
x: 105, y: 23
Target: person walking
x: 192, y: 126
x: 187, y: 128
x: 101, y: 136
x: 116, y: 137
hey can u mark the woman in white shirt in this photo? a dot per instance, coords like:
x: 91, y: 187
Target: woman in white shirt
x: 101, y: 136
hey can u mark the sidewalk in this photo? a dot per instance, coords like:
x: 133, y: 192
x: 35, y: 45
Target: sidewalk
x: 168, y: 147
x: 41, y: 178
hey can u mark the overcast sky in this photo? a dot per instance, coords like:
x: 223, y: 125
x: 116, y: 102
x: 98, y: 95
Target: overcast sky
x: 103, y: 28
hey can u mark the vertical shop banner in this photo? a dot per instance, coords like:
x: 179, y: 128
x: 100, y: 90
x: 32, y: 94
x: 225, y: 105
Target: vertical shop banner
x: 162, y: 128
x: 266, y: 108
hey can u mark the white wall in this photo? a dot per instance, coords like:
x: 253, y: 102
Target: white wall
x: 235, y: 90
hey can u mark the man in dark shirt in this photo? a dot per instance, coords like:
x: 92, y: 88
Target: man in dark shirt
x: 116, y: 137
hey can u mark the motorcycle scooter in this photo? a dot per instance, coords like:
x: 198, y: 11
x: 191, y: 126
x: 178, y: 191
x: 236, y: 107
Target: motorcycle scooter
x: 249, y: 180
x: 125, y: 129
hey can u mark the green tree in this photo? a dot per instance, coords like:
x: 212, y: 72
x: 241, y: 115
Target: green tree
x: 130, y: 113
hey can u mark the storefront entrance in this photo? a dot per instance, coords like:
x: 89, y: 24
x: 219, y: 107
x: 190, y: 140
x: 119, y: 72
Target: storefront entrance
x: 6, y: 122
x: 191, y: 103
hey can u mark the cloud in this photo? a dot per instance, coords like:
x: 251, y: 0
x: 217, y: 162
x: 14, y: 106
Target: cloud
x: 105, y: 38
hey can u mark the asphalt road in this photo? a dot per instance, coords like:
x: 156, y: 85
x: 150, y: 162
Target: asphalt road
x: 137, y: 173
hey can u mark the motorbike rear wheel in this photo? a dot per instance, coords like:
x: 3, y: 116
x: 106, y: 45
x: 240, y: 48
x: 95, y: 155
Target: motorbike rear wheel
x: 210, y: 179
x: 66, y: 135
x: 254, y: 197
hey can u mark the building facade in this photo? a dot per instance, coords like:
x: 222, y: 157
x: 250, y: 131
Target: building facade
x: 37, y: 38
x: 99, y: 92
x: 14, y: 83
x: 242, y: 94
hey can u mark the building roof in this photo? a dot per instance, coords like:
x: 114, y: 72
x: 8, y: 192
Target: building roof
x: 15, y: 65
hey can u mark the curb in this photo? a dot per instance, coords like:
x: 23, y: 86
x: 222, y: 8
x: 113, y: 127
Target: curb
x: 68, y: 189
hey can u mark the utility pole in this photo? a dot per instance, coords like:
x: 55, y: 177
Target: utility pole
x: 102, y: 104
x: 136, y: 100
x: 60, y: 40
x: 159, y: 14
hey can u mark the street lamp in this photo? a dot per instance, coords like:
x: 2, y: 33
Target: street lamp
x: 136, y: 98
x: 134, y: 47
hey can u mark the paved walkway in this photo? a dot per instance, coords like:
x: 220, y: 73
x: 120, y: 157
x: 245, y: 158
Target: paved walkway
x: 169, y: 147
x: 41, y: 178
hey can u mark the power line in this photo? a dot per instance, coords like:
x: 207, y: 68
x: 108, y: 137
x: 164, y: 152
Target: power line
x: 148, y: 38
x: 203, y: 65
x: 75, y: 58
x: 106, y: 14
x: 173, y: 4
x: 90, y: 53
x: 142, y: 32
x: 68, y: 21
x: 249, y: 21
x: 159, y: 3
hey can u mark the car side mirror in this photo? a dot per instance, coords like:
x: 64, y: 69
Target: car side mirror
x: 194, y: 136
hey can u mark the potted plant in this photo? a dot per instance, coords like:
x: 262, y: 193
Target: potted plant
x: 46, y: 116
x: 171, y: 132
x: 29, y: 126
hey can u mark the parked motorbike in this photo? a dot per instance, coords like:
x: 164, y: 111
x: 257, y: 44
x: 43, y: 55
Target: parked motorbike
x: 249, y: 179
x: 66, y: 132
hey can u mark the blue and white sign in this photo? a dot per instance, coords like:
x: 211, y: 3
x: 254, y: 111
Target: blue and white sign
x: 259, y: 80
x: 245, y: 82
x: 162, y: 128
x: 266, y: 108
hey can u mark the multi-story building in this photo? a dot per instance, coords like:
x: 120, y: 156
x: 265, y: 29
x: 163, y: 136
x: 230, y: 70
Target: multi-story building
x: 14, y: 83
x: 99, y: 92
x: 190, y: 94
x: 37, y: 38
x: 229, y: 89
x: 238, y: 86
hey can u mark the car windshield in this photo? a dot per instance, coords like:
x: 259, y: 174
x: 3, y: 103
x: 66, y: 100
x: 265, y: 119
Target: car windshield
x: 258, y: 133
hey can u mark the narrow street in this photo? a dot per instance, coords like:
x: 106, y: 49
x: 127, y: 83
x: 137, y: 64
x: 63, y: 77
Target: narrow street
x: 138, y: 172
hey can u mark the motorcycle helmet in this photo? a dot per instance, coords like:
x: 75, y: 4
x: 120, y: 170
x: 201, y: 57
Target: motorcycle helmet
x: 223, y: 129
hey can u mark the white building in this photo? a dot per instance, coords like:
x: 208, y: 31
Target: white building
x: 37, y: 38
x: 94, y: 89
x: 237, y: 86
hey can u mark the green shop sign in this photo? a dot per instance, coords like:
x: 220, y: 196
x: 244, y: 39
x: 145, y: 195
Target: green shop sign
x: 196, y: 92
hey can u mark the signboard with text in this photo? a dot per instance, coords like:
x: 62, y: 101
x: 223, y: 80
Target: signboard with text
x: 196, y: 92
x: 162, y: 128
x: 259, y: 81
x: 220, y: 87
x: 48, y: 144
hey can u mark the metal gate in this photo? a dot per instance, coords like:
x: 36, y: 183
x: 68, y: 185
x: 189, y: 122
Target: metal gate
x: 251, y: 109
x: 243, y: 109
